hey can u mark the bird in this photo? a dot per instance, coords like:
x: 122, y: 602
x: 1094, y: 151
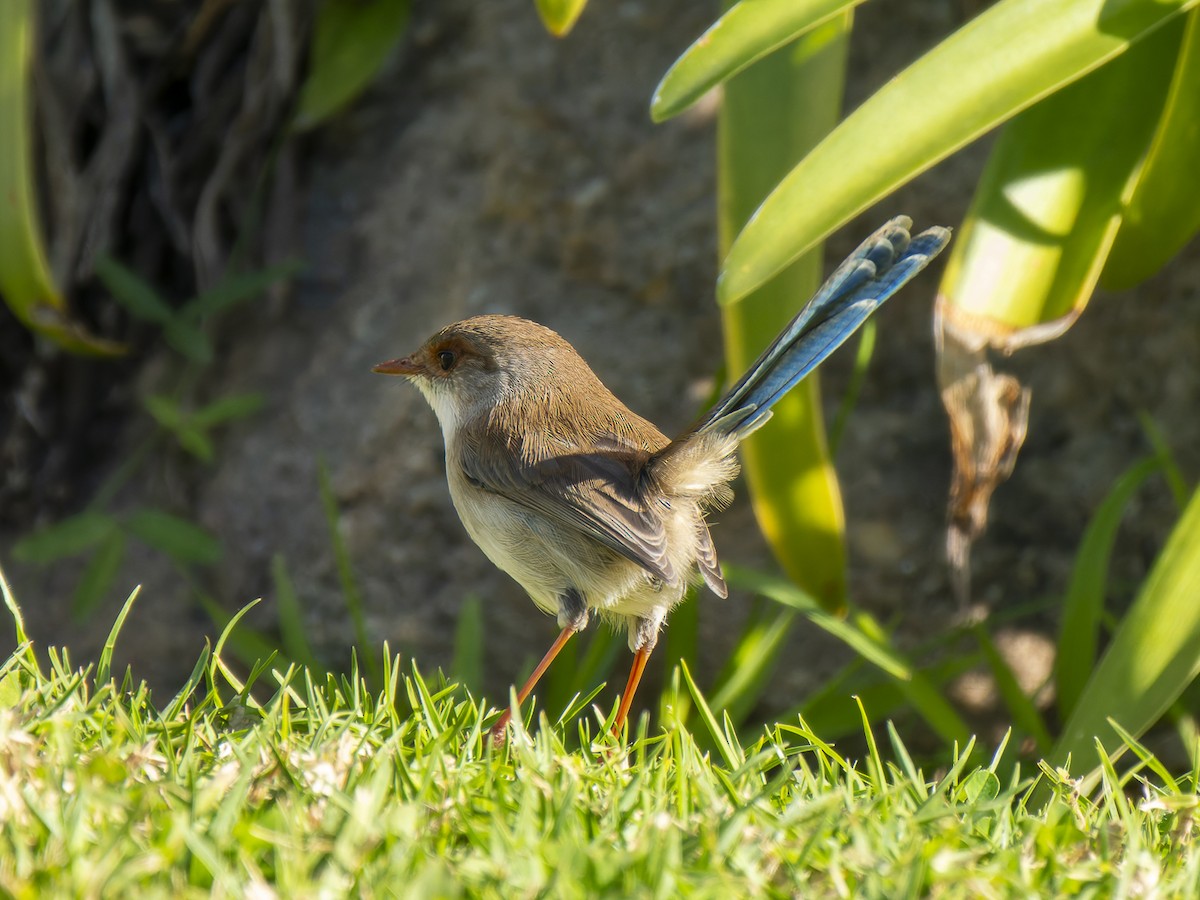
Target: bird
x: 584, y: 503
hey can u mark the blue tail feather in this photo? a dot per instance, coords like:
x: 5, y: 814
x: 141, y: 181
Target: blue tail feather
x: 880, y: 267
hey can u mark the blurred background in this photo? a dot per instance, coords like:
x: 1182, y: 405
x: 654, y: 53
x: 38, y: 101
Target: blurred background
x: 257, y: 201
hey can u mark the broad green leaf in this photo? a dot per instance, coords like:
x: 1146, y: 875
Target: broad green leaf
x: 182, y: 540
x: 165, y: 411
x: 351, y: 42
x: 1163, y: 209
x: 182, y: 425
x: 1009, y: 57
x: 1079, y: 631
x: 559, y: 16
x: 234, y: 406
x: 773, y: 113
x: 26, y: 282
x: 1154, y: 654
x: 196, y: 442
x: 69, y: 537
x: 188, y: 340
x: 134, y: 293
x: 99, y: 575
x: 748, y: 31
x: 1049, y: 202
x: 234, y: 289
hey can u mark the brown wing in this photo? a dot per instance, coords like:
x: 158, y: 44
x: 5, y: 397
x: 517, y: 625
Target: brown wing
x: 595, y: 493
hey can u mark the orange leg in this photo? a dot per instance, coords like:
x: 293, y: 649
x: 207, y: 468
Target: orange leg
x: 497, y: 731
x: 635, y: 675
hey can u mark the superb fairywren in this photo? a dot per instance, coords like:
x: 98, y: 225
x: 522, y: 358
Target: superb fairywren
x: 585, y: 503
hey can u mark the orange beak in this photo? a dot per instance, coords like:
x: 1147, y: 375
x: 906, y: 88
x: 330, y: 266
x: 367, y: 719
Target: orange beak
x: 402, y: 366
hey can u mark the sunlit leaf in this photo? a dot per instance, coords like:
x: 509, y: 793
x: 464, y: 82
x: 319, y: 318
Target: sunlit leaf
x: 1048, y: 205
x: 748, y: 31
x: 1163, y: 209
x: 1009, y: 57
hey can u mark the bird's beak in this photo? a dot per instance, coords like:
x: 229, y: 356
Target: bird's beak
x: 402, y: 366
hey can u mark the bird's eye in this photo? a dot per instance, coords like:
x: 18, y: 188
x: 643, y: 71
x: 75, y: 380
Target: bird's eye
x: 447, y: 359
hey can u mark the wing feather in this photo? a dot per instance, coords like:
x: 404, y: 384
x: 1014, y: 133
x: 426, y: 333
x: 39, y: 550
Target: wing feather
x: 595, y: 493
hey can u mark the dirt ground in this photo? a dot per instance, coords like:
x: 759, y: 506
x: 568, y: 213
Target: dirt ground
x: 494, y: 169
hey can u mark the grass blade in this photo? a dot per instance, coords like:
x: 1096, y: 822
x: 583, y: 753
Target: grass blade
x: 1079, y: 632
x: 104, y: 666
x: 1154, y: 654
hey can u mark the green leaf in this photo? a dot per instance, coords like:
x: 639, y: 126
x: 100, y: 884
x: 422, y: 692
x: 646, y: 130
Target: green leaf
x: 182, y: 540
x: 772, y: 114
x: 985, y: 73
x: 1020, y: 706
x: 165, y: 411
x: 748, y: 31
x: 1163, y: 209
x: 137, y: 296
x: 182, y: 425
x: 559, y: 16
x: 99, y: 575
x: 188, y: 340
x: 1154, y: 654
x: 351, y: 42
x: 26, y: 282
x: 233, y: 289
x: 69, y: 537
x: 1047, y: 207
x: 1079, y: 631
x: 196, y: 442
x: 234, y: 406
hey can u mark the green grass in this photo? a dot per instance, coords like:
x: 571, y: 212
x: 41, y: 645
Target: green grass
x: 322, y: 788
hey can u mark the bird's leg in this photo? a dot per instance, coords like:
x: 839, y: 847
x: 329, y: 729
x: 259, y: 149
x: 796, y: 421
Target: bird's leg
x: 573, y: 617
x: 635, y: 675
x: 643, y: 635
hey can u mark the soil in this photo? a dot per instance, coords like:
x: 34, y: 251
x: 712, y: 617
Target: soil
x: 495, y: 169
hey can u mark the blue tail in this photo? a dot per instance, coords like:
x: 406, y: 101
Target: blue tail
x: 882, y: 264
